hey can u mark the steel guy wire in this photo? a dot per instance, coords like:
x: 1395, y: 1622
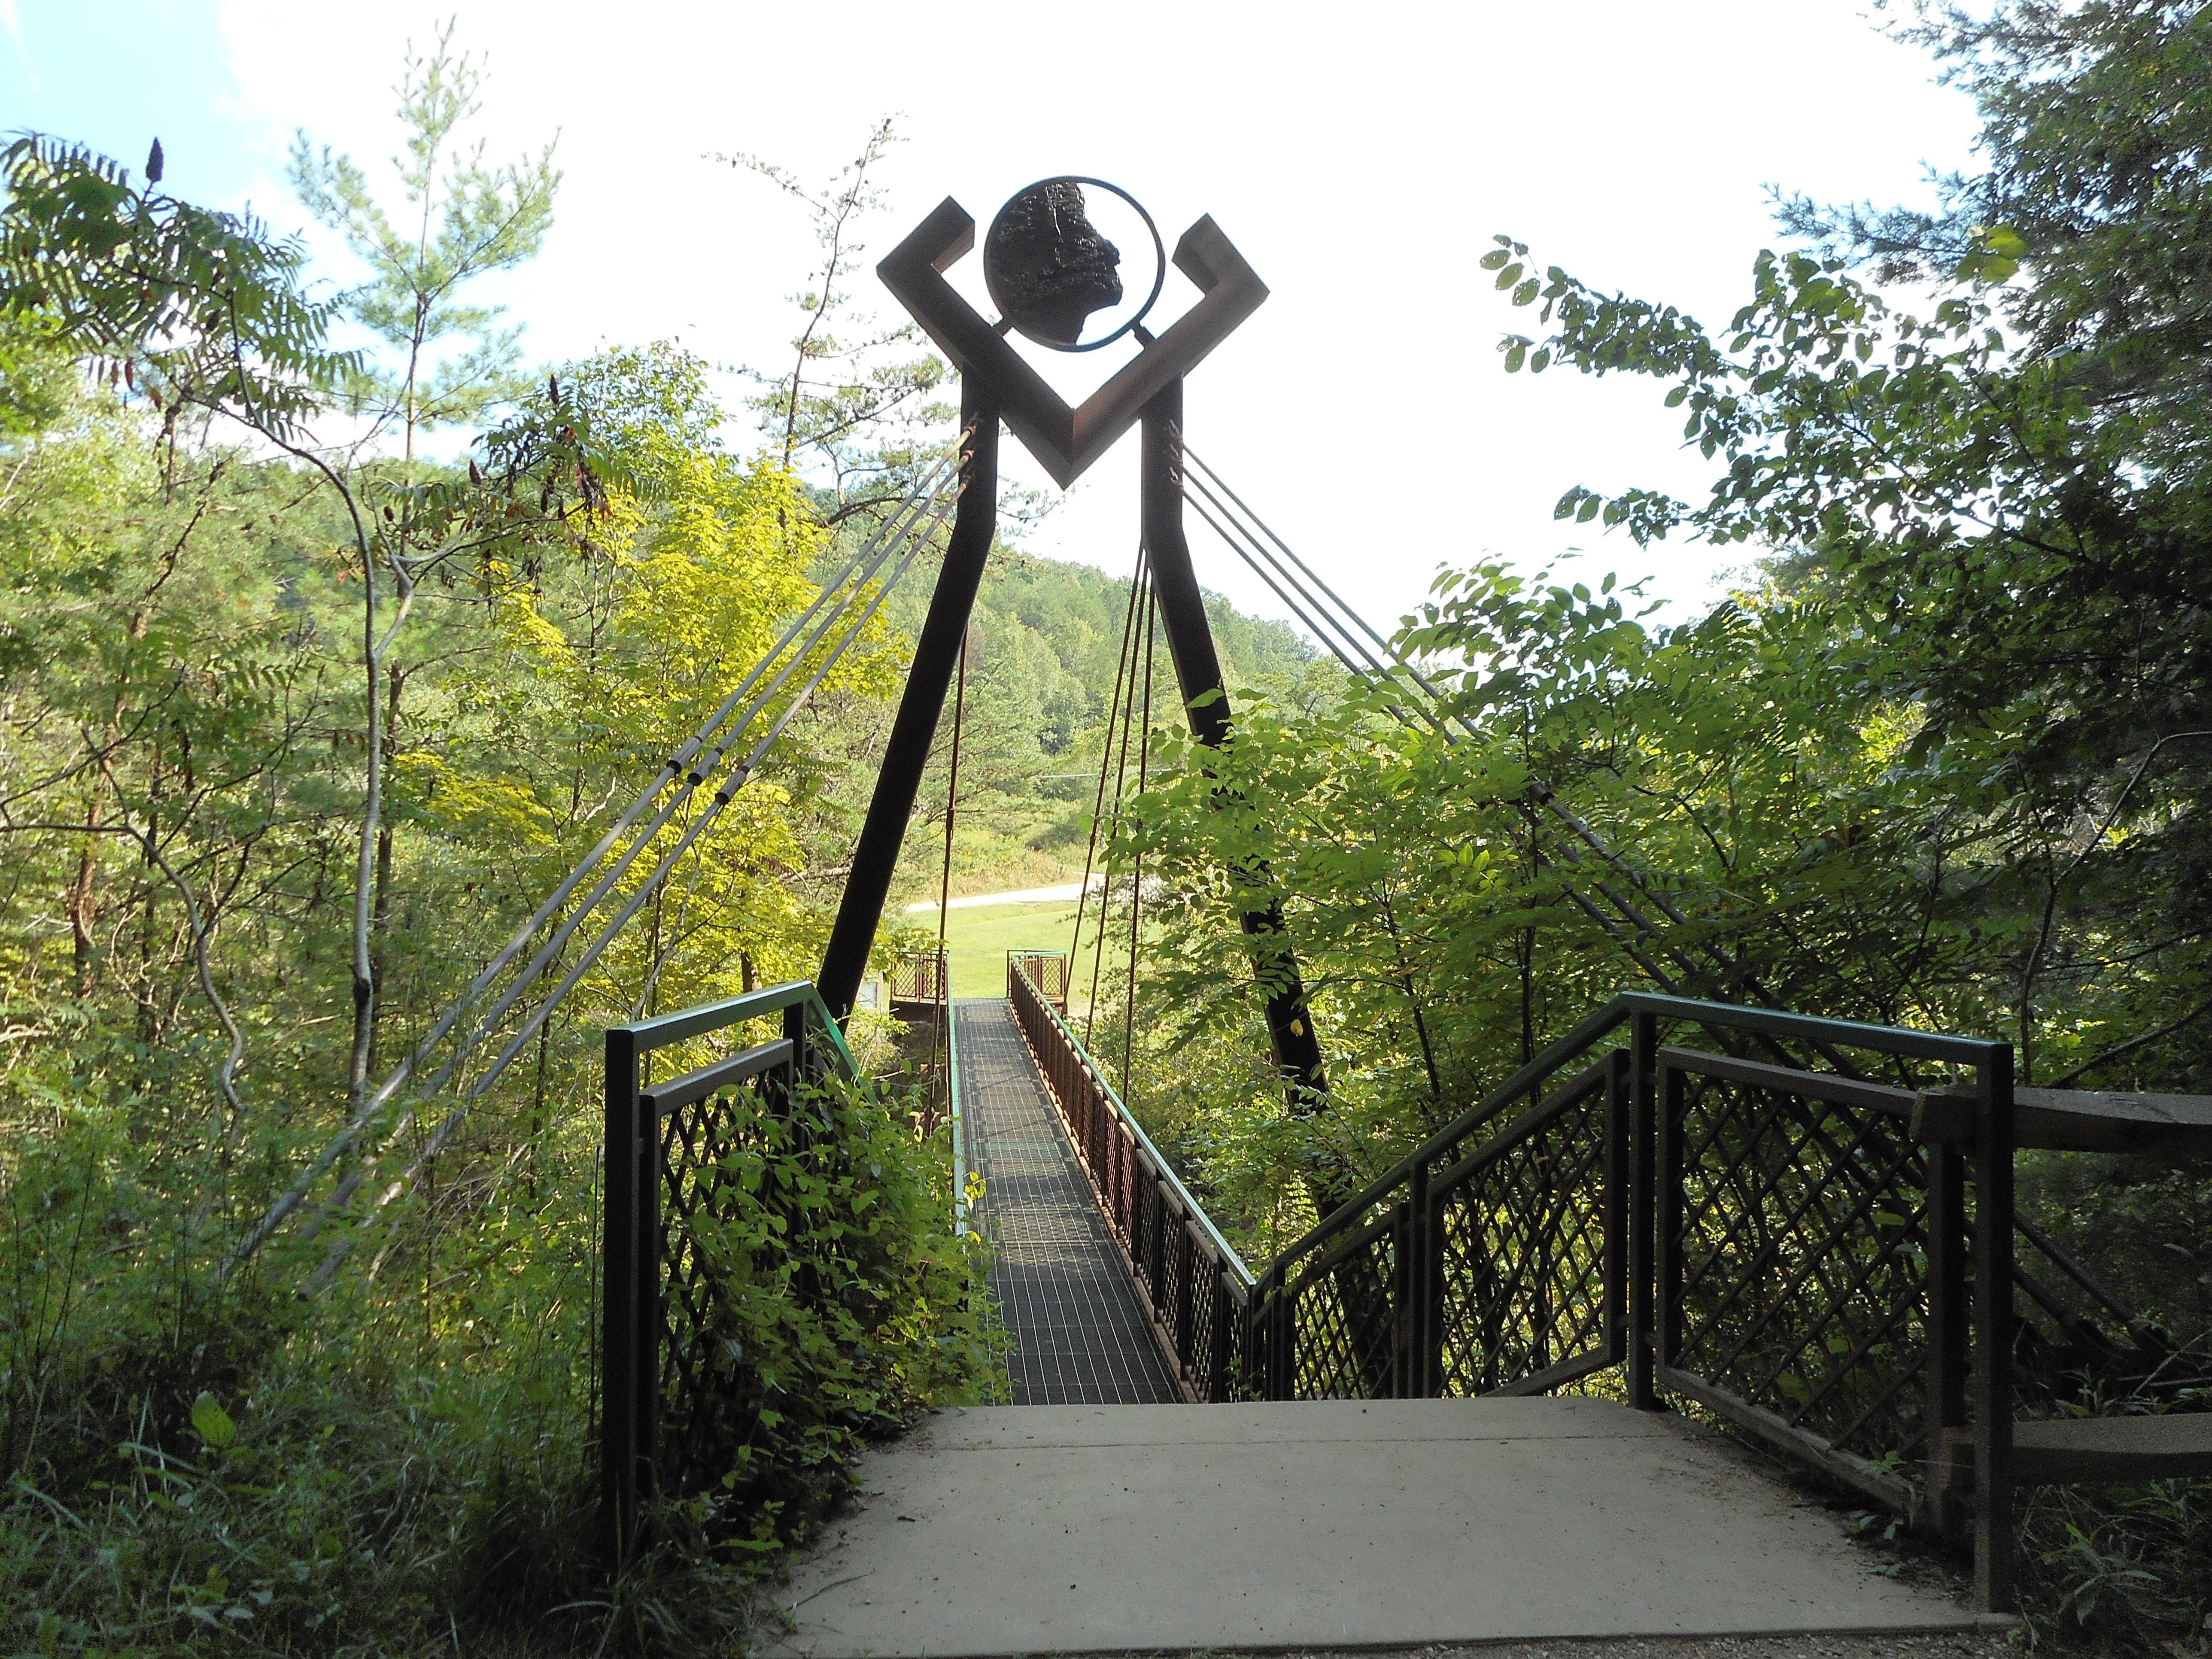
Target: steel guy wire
x: 723, y: 795
x: 892, y: 530
x: 1542, y: 793
x: 916, y: 537
x: 895, y: 529
x: 1573, y: 820
x: 1370, y: 669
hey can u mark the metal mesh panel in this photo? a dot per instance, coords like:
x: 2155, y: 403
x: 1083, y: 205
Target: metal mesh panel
x: 1342, y: 1321
x: 1080, y: 1335
x: 1799, y: 1256
x: 1523, y: 1249
x: 708, y: 1400
x: 1173, y: 1254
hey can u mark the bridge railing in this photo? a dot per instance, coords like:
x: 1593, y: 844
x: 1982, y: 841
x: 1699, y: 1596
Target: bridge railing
x: 1048, y: 971
x: 1197, y: 1288
x: 1776, y: 1239
x: 672, y: 1395
x: 918, y: 985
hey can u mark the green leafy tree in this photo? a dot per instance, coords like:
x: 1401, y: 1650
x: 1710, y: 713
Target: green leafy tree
x: 439, y: 362
x: 856, y: 401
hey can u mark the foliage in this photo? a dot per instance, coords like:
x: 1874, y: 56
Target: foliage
x: 387, y: 1470
x: 857, y: 401
x: 1944, y: 762
x: 446, y: 362
x: 296, y: 733
x: 201, y: 308
x: 854, y: 1305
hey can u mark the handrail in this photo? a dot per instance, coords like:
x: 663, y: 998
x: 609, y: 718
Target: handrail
x: 1191, y: 1206
x: 1883, y: 1039
x: 665, y: 1028
x: 636, y: 1169
x: 952, y: 1116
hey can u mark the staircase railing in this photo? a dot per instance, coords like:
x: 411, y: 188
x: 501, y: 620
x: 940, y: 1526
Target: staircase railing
x: 1757, y: 1213
x: 1195, y: 1287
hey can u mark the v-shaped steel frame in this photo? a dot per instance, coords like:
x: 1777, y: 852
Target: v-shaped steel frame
x: 997, y: 385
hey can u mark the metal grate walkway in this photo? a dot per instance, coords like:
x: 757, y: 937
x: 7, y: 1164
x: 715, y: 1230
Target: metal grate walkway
x: 1081, y: 1337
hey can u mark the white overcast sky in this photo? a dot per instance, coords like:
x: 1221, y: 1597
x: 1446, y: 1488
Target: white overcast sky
x: 1359, y: 156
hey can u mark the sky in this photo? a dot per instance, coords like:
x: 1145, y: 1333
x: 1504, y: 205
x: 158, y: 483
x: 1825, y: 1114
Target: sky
x: 1360, y: 158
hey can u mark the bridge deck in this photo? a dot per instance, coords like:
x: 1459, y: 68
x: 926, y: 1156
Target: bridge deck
x: 1080, y: 1335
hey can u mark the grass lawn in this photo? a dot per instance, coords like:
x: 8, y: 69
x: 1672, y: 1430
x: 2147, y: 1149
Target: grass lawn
x: 977, y: 941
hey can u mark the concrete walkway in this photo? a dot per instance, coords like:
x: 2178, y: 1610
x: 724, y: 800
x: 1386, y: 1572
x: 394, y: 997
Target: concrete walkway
x: 1328, y: 1525
x: 1080, y: 1335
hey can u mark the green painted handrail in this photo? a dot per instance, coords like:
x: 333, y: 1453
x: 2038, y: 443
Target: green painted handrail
x: 665, y: 1028
x: 953, y: 1110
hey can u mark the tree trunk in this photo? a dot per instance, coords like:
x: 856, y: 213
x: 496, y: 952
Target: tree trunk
x: 379, y: 914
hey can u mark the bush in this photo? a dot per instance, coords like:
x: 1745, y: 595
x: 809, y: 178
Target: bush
x: 407, y: 1458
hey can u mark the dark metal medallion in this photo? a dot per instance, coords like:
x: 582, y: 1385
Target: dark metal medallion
x: 1049, y: 269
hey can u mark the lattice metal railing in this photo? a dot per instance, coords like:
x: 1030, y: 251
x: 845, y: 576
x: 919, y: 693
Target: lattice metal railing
x: 1046, y: 971
x: 1794, y: 1250
x: 1531, y: 1298
x: 1491, y: 1261
x: 1193, y: 1285
x: 920, y: 985
x: 685, y: 1158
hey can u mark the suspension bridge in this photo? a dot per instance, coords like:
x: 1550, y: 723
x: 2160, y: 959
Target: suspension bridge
x: 1540, y: 1379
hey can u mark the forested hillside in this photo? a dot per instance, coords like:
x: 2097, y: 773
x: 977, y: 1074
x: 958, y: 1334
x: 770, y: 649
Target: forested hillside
x: 1042, y: 652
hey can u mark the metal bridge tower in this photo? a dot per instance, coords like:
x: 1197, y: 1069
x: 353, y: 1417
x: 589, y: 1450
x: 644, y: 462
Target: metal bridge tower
x: 1049, y: 269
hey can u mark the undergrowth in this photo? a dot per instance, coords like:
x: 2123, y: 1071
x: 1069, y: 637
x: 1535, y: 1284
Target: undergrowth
x: 406, y: 1461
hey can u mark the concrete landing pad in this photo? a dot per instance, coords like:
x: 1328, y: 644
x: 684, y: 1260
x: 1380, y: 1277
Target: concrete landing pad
x: 1018, y: 1529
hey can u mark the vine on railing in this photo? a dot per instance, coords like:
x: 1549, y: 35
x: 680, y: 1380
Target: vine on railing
x: 672, y: 1387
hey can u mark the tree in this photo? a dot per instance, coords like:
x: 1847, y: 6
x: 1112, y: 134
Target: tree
x: 442, y: 362
x: 2006, y: 488
x: 857, y: 405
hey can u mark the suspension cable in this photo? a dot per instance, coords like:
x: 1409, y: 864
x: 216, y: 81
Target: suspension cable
x: 911, y: 517
x: 1142, y: 598
x: 1137, y: 865
x: 693, y: 781
x: 722, y: 796
x: 1344, y: 643
x: 451, y: 1121
x: 1098, y: 807
x: 1543, y: 796
x: 943, y: 1015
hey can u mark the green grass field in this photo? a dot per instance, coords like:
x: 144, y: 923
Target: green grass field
x: 977, y: 941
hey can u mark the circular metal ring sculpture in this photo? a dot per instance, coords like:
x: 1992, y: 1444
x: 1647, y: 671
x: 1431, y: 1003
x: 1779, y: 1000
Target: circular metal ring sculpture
x: 1049, y: 268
